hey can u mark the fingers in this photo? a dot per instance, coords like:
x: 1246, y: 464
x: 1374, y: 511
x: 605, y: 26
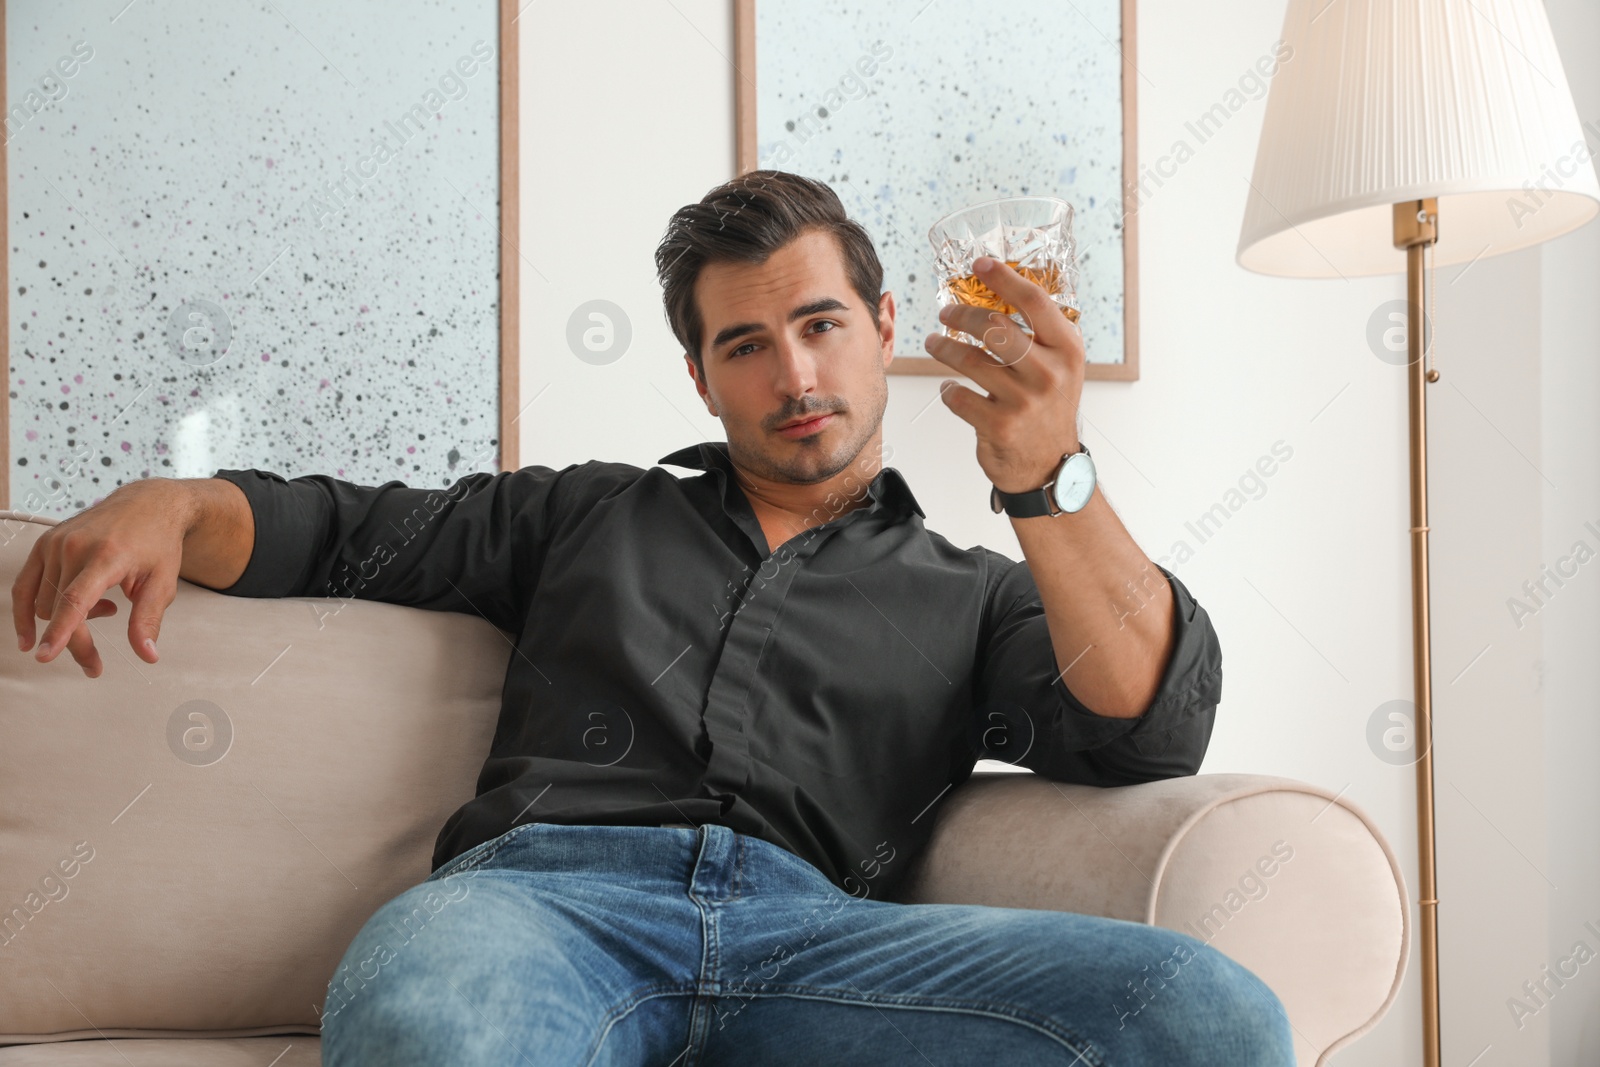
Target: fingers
x: 124, y: 540
x: 81, y: 644
x: 23, y: 591
x: 81, y: 641
x: 49, y: 584
x: 966, y: 403
x: 150, y: 600
x: 998, y: 334
x: 70, y: 610
x: 998, y: 379
x: 1004, y: 364
x: 1044, y: 315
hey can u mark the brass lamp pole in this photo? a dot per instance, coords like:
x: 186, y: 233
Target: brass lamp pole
x: 1416, y: 226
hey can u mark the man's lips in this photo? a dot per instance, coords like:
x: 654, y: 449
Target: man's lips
x: 804, y: 429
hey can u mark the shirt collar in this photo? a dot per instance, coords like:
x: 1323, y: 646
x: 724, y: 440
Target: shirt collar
x: 889, y: 488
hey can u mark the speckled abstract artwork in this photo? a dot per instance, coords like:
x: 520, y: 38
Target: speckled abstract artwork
x: 910, y: 109
x: 255, y: 234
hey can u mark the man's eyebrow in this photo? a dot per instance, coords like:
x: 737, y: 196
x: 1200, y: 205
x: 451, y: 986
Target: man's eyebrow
x: 732, y: 333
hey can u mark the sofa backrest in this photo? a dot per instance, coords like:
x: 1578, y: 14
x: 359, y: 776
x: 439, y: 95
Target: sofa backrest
x: 187, y: 847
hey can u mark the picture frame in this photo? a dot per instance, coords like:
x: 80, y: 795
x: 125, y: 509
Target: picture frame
x: 505, y: 263
x: 1109, y: 282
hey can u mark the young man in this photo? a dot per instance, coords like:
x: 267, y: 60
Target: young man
x: 737, y: 699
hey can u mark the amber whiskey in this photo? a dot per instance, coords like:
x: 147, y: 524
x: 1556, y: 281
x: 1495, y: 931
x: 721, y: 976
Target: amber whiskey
x: 971, y: 290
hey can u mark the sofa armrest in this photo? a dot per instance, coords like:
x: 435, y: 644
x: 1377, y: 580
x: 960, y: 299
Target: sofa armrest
x: 1286, y: 878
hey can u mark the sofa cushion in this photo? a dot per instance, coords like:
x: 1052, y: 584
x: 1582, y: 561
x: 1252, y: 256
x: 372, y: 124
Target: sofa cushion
x: 187, y: 847
x: 160, y: 1052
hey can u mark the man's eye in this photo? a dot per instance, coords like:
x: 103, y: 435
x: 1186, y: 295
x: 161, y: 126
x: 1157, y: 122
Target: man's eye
x: 825, y: 322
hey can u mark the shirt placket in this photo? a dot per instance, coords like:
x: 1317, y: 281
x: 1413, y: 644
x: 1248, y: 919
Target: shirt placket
x: 750, y: 626
x: 728, y: 699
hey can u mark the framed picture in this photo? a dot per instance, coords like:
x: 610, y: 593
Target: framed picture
x: 910, y: 110
x: 264, y: 236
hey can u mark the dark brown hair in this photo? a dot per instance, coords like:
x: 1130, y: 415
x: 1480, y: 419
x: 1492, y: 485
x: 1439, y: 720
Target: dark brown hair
x: 745, y: 221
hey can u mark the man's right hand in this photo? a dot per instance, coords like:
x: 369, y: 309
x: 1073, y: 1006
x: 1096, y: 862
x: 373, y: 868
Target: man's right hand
x: 133, y: 539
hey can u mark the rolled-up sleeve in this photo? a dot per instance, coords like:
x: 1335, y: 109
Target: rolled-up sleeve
x: 475, y: 547
x: 1027, y: 716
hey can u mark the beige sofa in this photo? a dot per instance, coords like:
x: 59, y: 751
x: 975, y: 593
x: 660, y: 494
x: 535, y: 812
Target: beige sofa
x: 187, y: 847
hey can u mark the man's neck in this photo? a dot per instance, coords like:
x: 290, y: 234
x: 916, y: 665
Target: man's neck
x: 788, y: 508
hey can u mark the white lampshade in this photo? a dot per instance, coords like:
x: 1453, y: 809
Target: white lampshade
x: 1383, y: 101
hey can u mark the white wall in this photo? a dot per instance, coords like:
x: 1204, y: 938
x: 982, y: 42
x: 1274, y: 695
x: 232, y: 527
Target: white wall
x: 628, y: 111
x: 1486, y: 482
x: 1516, y: 475
x: 1570, y: 444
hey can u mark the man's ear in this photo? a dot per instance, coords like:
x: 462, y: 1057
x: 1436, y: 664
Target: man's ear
x: 886, y: 326
x: 700, y: 387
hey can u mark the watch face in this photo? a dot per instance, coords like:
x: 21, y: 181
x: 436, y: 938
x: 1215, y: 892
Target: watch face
x: 1075, y: 483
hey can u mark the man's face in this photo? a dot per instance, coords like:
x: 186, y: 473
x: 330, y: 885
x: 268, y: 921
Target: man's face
x: 791, y: 339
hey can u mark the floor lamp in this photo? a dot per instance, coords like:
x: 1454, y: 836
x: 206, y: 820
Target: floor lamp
x: 1394, y: 127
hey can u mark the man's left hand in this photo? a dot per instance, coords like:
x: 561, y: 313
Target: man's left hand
x: 1029, y: 419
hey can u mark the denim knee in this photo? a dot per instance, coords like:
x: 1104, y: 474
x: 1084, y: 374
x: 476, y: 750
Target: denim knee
x: 388, y: 1003
x: 1238, y: 1020
x: 466, y: 969
x: 401, y: 1020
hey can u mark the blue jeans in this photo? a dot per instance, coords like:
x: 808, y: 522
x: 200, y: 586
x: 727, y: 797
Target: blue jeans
x: 654, y: 945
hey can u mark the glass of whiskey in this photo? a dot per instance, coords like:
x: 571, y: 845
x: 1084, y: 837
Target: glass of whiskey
x: 1032, y: 234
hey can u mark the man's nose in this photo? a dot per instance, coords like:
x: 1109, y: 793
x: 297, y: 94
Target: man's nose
x: 796, y: 369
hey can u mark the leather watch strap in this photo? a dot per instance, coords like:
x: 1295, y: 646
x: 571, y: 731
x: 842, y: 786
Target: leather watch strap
x: 1029, y: 505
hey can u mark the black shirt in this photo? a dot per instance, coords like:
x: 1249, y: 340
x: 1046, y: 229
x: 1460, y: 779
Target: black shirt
x: 670, y: 668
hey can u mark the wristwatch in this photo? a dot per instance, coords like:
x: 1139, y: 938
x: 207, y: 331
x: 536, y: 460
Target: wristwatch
x: 1067, y: 491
